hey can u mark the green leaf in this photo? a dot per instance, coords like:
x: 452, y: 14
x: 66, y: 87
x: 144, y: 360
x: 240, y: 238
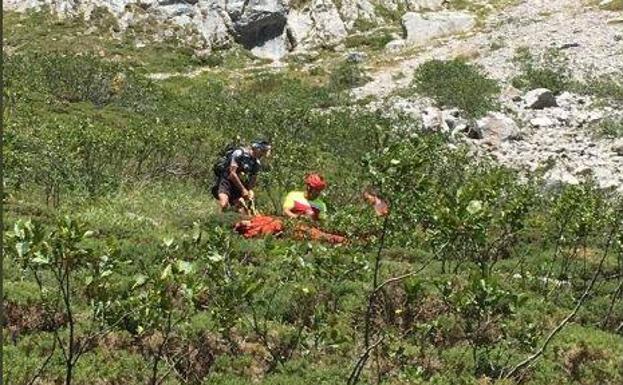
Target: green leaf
x: 106, y: 273
x: 139, y: 280
x: 474, y: 207
x: 216, y: 257
x: 184, y: 267
x: 22, y: 248
x: 40, y: 259
x: 168, y: 242
x: 166, y: 272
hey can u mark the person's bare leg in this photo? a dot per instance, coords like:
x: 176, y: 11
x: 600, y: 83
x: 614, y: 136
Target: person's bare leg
x: 223, y: 201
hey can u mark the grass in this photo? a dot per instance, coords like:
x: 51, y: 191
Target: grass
x: 606, y: 87
x: 375, y: 42
x: 610, y: 128
x: 614, y: 5
x: 41, y: 32
x: 481, y: 9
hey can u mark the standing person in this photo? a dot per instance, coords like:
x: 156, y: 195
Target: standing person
x: 236, y: 175
x: 371, y: 195
x: 308, y: 202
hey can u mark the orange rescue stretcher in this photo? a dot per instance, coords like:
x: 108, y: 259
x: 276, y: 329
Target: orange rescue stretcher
x: 263, y: 225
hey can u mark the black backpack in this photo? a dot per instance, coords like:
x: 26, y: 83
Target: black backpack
x: 223, y: 160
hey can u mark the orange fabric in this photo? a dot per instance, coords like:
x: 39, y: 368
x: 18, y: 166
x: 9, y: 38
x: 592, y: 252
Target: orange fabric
x: 259, y: 225
x: 262, y: 225
x: 315, y: 234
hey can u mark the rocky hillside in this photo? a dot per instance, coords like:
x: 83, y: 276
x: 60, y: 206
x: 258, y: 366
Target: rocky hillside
x: 558, y: 63
x: 269, y: 28
x: 573, y: 132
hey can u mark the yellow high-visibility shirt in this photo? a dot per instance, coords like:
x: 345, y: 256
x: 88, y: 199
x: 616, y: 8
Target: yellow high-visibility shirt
x: 299, y: 204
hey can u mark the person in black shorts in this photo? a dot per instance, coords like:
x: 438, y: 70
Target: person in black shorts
x: 238, y: 178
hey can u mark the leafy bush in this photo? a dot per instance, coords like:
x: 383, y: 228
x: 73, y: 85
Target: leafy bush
x: 608, y: 87
x: 458, y: 84
x: 533, y: 78
x: 347, y: 75
x: 611, y: 128
x: 550, y: 72
x: 75, y: 78
x: 375, y: 42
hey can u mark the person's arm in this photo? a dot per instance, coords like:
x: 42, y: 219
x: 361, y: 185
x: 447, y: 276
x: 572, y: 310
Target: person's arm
x: 233, y: 175
x: 288, y: 206
x: 288, y: 212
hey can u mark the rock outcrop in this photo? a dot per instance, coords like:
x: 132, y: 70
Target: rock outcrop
x: 268, y: 28
x: 420, y: 28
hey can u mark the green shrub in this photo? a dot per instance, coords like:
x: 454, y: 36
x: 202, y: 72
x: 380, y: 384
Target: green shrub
x: 75, y: 78
x: 607, y: 87
x: 212, y: 60
x: 614, y: 5
x: 375, y: 42
x: 549, y: 72
x: 458, y: 84
x: 533, y: 78
x: 347, y: 75
x: 611, y: 128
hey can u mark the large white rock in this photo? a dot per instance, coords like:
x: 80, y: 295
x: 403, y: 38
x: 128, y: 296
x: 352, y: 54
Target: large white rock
x: 606, y: 179
x: 617, y: 147
x: 558, y: 176
x: 421, y: 28
x: 353, y: 10
x: 542, y: 121
x: 433, y: 120
x: 329, y: 29
x: 273, y: 49
x: 214, y: 24
x: 424, y: 5
x: 299, y: 26
x: 539, y: 99
x: 496, y: 127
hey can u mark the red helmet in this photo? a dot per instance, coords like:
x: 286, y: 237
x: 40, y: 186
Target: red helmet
x: 315, y: 181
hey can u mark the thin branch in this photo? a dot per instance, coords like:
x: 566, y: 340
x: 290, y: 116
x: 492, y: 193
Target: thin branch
x: 82, y: 349
x: 400, y: 277
x: 377, y: 266
x: 43, y: 365
x: 615, y: 298
x: 171, y: 365
x: 532, y: 358
x: 361, y: 362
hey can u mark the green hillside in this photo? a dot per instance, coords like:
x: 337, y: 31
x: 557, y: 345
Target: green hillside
x: 120, y: 269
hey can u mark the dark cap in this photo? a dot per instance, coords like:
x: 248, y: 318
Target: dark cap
x: 261, y: 144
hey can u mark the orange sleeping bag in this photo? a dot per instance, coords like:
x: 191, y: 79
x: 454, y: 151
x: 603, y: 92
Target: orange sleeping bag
x: 315, y: 234
x: 263, y: 225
